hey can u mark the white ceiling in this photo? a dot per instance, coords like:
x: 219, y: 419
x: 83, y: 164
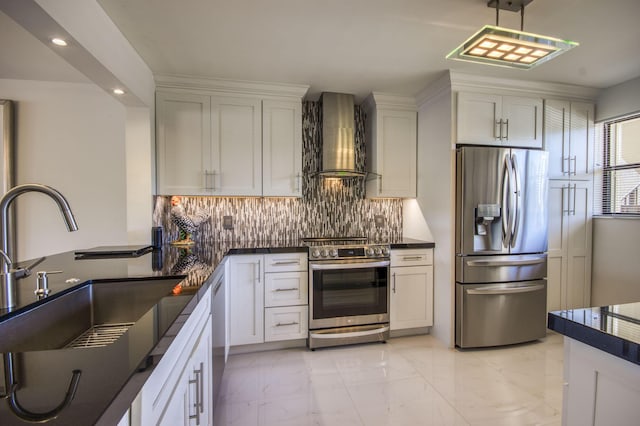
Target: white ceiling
x: 352, y: 46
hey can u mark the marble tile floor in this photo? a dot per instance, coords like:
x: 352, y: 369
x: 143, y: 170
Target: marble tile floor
x: 407, y: 381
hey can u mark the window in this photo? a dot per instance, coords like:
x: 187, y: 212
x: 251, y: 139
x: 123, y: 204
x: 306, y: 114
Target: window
x: 621, y: 166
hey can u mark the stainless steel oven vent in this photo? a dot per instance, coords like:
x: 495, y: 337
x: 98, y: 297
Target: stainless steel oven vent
x: 100, y: 335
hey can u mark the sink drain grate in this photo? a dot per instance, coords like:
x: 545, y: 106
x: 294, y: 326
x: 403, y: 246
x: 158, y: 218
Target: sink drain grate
x: 100, y: 335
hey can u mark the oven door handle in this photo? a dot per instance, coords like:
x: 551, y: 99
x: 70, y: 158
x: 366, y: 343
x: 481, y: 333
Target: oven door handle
x: 348, y: 335
x: 348, y: 265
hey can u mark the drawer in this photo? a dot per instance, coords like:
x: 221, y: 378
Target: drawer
x: 411, y: 257
x: 285, y: 323
x: 285, y: 262
x: 286, y: 288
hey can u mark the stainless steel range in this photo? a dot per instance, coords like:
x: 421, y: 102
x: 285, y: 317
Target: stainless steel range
x: 348, y: 291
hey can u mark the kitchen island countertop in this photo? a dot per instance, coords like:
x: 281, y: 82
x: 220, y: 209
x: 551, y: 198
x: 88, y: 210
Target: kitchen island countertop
x: 614, y: 329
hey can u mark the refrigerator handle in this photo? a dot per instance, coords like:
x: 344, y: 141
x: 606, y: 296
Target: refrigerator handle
x: 517, y: 217
x: 506, y: 200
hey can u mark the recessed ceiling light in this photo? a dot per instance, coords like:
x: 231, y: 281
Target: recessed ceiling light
x: 58, y: 41
x: 118, y: 91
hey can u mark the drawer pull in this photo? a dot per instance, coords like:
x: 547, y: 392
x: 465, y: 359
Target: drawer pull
x: 284, y: 324
x: 412, y: 258
x: 199, y: 385
x: 287, y: 289
x: 285, y: 262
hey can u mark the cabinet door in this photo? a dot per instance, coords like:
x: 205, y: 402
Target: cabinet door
x: 557, y: 252
x: 236, y: 144
x: 282, y: 148
x: 557, y: 115
x: 411, y: 302
x: 522, y: 122
x: 582, y: 136
x: 579, y: 246
x: 396, y: 153
x: 190, y: 401
x: 246, y: 299
x: 478, y: 116
x: 569, y: 252
x: 184, y: 157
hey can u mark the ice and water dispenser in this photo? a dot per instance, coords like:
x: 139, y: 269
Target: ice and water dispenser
x: 488, y: 228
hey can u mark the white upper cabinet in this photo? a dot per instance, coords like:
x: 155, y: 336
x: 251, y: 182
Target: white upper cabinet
x: 569, y: 133
x: 282, y: 148
x: 488, y: 119
x: 391, y: 135
x: 228, y: 138
x: 236, y: 143
x: 183, y: 148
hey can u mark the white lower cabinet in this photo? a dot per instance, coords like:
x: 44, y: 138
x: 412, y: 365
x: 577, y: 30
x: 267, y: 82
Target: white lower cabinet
x: 178, y: 392
x: 411, y: 304
x: 246, y: 299
x: 268, y: 298
x: 569, y: 252
x: 599, y: 388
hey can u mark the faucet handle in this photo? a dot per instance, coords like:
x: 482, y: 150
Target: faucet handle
x: 42, y: 283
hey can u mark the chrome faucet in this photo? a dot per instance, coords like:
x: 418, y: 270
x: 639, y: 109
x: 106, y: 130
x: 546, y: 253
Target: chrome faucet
x: 9, y: 276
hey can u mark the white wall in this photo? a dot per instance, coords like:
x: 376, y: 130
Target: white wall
x: 71, y: 137
x: 436, y: 189
x: 616, y: 246
x: 619, y: 100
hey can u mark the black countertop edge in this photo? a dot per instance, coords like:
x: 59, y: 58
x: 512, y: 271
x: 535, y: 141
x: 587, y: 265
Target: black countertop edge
x: 266, y: 250
x: 408, y: 243
x: 614, y: 345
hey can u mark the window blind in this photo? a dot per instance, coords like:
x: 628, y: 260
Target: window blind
x: 619, y: 185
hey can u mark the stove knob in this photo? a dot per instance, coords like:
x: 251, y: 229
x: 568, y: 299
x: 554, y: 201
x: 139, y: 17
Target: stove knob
x: 369, y: 251
x: 378, y: 251
x: 385, y: 251
x: 315, y: 253
x: 333, y: 253
x: 323, y: 253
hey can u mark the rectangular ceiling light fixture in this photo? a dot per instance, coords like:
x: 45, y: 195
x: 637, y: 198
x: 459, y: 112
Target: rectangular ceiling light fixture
x: 494, y: 45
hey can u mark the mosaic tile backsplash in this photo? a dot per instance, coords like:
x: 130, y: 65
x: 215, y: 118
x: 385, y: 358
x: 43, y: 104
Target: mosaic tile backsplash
x: 328, y: 208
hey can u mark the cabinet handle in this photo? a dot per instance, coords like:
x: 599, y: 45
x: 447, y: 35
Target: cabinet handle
x: 497, y: 130
x: 412, y: 258
x: 379, y: 183
x: 564, y: 170
x: 564, y: 211
x: 285, y: 262
x: 210, y: 180
x: 506, y: 123
x: 394, y: 283
x: 259, y: 270
x: 199, y: 386
x: 575, y: 165
x: 284, y: 324
x: 572, y: 212
x: 287, y: 289
x: 298, y: 182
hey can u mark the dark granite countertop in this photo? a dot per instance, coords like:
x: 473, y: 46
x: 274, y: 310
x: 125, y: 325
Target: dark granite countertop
x: 614, y: 329
x: 112, y: 375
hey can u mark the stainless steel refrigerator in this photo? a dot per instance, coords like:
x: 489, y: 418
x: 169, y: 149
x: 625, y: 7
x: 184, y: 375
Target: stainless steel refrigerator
x: 501, y: 244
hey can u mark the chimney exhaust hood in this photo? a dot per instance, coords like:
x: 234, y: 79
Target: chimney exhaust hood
x: 338, y: 140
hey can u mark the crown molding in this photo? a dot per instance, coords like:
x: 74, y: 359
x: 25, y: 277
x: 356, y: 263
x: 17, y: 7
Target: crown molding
x: 231, y: 87
x: 464, y: 81
x: 389, y: 100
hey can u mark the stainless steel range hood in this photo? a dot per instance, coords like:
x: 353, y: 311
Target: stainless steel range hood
x: 338, y: 144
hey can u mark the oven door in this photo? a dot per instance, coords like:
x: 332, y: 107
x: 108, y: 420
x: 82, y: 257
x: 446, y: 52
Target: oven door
x: 348, y: 292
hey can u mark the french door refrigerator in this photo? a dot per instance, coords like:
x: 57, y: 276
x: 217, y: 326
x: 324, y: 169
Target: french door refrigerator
x: 501, y: 244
